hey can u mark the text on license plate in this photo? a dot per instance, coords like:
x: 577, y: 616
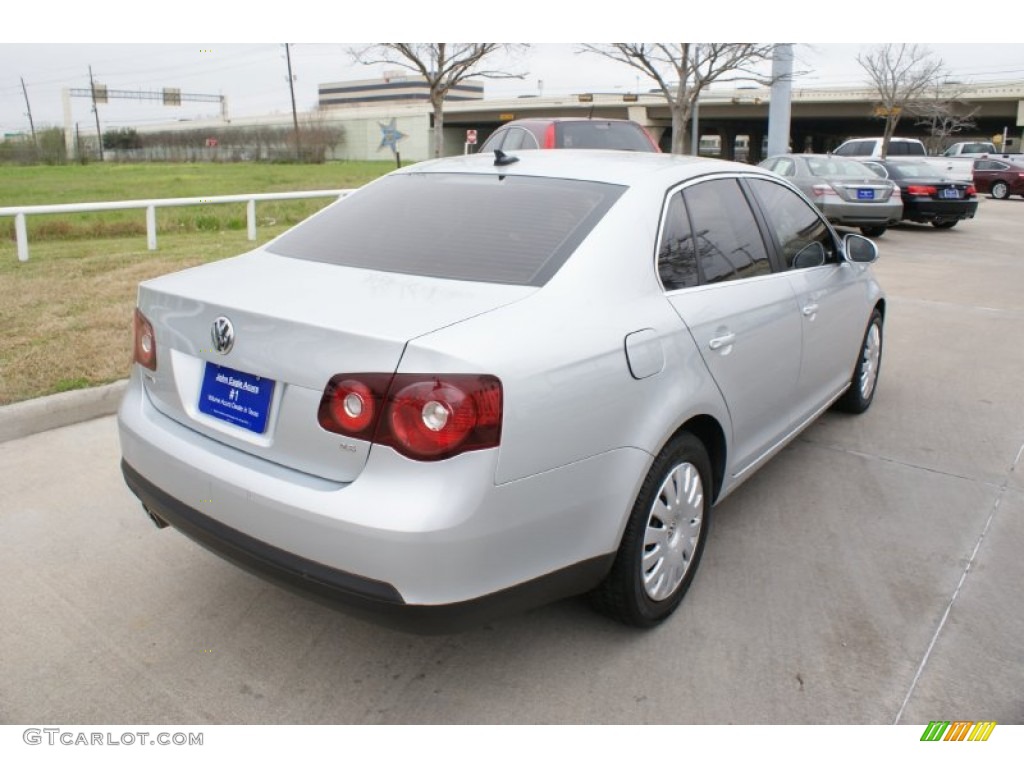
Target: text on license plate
x: 954, y: 193
x: 236, y: 397
x: 865, y: 194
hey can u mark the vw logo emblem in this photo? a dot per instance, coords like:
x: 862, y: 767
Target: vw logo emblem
x: 223, y: 335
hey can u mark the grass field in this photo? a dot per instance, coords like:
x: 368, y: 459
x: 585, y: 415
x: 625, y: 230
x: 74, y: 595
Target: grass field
x: 66, y: 313
x: 42, y: 185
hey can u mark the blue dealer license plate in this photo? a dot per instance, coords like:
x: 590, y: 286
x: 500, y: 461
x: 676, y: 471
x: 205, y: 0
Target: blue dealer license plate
x: 951, y: 193
x: 236, y: 397
x: 865, y: 194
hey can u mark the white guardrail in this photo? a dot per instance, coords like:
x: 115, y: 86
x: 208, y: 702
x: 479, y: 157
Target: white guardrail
x: 21, y: 212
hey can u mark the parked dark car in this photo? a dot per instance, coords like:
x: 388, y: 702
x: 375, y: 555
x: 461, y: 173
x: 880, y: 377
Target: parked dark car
x: 570, y: 133
x: 928, y: 197
x: 1000, y: 178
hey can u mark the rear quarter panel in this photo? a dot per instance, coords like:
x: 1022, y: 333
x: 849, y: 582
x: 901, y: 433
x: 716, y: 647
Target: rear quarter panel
x: 568, y: 390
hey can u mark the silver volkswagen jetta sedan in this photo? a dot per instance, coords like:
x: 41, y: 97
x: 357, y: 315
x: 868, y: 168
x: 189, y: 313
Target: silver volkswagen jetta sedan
x: 483, y: 383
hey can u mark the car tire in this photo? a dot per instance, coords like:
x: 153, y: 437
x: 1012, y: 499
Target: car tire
x: 945, y: 224
x: 864, y: 381
x: 664, y: 537
x: 873, y: 231
x: 1000, y: 190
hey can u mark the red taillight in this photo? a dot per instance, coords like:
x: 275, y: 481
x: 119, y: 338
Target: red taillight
x: 822, y: 189
x: 420, y: 416
x: 144, y: 343
x: 971, y: 191
x: 921, y: 189
x: 549, y: 137
x: 352, y: 406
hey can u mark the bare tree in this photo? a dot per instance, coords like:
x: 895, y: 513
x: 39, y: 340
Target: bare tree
x: 320, y: 136
x: 945, y: 114
x: 683, y: 70
x: 442, y: 65
x: 901, y: 74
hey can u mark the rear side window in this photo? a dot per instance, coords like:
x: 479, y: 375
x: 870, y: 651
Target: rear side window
x: 518, y: 138
x: 783, y: 166
x: 677, y: 254
x: 516, y: 230
x: 597, y: 134
x: 905, y: 148
x: 729, y: 243
x: 494, y: 140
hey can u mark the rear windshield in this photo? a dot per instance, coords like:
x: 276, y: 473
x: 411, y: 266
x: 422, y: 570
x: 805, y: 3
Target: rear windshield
x: 909, y: 169
x: 837, y: 167
x: 596, y: 134
x: 497, y: 229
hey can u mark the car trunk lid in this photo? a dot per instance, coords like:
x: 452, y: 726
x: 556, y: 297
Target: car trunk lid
x: 294, y: 324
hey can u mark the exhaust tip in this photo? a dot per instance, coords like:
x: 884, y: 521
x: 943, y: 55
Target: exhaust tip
x: 158, y: 521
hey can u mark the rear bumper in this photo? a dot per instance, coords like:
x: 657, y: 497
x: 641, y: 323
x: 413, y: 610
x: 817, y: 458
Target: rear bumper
x: 863, y: 214
x: 367, y: 598
x: 939, y: 210
x: 426, y: 546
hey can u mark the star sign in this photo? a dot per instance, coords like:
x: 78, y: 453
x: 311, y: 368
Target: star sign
x: 390, y: 135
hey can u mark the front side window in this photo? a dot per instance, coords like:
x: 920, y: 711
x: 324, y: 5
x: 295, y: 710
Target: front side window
x: 801, y: 233
x: 729, y: 244
x: 856, y: 148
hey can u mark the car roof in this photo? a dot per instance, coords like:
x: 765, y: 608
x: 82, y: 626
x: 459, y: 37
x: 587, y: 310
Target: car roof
x: 522, y: 120
x: 601, y: 165
x: 879, y: 138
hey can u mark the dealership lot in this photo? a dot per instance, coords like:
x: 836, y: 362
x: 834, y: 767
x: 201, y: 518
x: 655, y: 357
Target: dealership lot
x: 870, y: 572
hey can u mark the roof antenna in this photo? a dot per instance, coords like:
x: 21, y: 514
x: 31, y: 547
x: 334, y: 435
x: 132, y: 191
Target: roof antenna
x: 500, y: 158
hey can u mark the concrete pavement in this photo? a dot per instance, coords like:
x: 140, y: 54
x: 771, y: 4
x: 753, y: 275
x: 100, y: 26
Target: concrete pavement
x: 870, y: 572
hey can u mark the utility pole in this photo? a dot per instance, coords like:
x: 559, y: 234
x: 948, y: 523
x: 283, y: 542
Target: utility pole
x: 29, y: 108
x: 779, y: 106
x: 99, y: 135
x: 295, y: 115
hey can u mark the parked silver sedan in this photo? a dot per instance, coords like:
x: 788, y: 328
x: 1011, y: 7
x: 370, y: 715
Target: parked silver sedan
x: 848, y: 192
x: 483, y: 383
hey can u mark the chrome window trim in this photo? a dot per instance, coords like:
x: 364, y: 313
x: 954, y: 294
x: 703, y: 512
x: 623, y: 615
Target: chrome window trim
x: 693, y: 182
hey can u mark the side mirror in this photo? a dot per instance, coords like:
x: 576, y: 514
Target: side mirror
x: 859, y: 249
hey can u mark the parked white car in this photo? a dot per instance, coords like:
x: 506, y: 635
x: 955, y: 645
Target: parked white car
x: 953, y: 168
x: 487, y: 382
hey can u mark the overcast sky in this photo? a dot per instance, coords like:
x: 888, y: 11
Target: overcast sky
x: 253, y: 76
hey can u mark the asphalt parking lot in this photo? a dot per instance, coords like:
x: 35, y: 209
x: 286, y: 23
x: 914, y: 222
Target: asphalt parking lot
x: 871, y: 573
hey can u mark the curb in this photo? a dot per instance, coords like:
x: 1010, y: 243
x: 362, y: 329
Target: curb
x: 45, y: 413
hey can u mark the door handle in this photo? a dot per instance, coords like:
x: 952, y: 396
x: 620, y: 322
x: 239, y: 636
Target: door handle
x: 722, y: 341
x: 810, y: 309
